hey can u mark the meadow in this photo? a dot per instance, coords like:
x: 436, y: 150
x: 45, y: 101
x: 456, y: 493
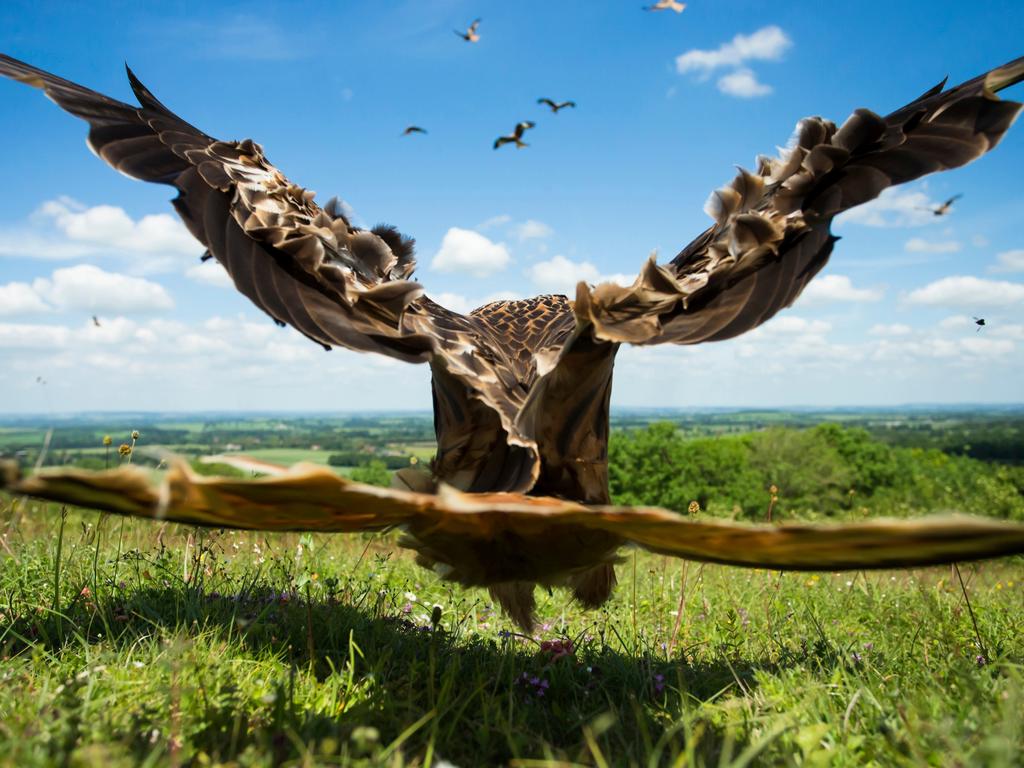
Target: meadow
x: 125, y: 642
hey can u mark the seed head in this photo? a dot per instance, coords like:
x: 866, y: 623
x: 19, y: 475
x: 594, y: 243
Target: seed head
x: 773, y: 489
x: 125, y: 450
x: 135, y: 434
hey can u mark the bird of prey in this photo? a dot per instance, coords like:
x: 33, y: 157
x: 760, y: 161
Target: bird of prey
x: 517, y: 494
x: 470, y: 35
x: 96, y: 321
x: 943, y: 208
x: 980, y: 322
x: 413, y: 129
x: 666, y: 5
x: 555, y: 107
x: 516, y: 137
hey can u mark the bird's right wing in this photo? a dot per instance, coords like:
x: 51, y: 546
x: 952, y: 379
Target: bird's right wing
x: 303, y: 265
x: 771, y: 232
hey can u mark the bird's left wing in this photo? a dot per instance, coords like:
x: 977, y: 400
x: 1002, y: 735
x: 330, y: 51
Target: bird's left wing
x: 303, y: 265
x: 468, y: 525
x: 771, y: 232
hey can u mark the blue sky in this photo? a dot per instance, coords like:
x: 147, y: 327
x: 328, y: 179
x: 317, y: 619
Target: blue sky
x: 667, y: 105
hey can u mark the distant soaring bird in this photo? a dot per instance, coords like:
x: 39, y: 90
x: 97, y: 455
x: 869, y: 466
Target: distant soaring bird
x: 666, y: 5
x: 413, y: 129
x: 518, y: 492
x: 470, y: 35
x: 980, y: 322
x: 96, y: 321
x: 516, y: 137
x: 944, y: 208
x: 555, y: 107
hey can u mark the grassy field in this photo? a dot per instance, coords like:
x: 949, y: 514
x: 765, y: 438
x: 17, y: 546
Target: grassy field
x: 168, y: 645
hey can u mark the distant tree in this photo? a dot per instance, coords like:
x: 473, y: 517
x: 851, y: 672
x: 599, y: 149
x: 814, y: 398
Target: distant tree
x: 374, y: 473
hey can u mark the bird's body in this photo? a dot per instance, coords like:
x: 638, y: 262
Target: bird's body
x: 666, y: 5
x: 980, y: 322
x: 96, y: 321
x: 556, y: 106
x: 471, y: 35
x: 413, y: 129
x: 516, y: 137
x: 518, y: 492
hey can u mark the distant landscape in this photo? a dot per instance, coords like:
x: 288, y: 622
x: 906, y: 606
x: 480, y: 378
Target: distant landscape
x: 836, y: 463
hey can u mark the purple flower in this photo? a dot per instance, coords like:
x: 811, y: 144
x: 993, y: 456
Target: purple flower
x: 856, y: 657
x: 407, y: 608
x: 980, y: 660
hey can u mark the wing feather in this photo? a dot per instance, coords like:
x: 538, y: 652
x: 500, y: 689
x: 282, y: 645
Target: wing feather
x: 771, y: 233
x: 461, y: 530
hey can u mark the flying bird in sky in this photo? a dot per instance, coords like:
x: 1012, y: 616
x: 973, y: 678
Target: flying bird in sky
x: 471, y: 35
x: 516, y: 137
x: 980, y: 322
x: 413, y: 129
x: 666, y: 5
x: 96, y: 321
x: 517, y: 494
x: 943, y: 208
x: 556, y: 106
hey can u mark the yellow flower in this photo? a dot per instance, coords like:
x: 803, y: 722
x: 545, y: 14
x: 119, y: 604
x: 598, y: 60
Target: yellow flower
x: 694, y: 508
x: 107, y: 440
x: 125, y: 449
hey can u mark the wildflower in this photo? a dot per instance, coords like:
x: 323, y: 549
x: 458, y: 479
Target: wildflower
x: 659, y: 683
x: 558, y: 649
x: 125, y: 449
x: 694, y: 508
x: 856, y: 657
x: 107, y: 440
x: 773, y: 489
x: 407, y: 608
x: 980, y: 660
x: 135, y: 434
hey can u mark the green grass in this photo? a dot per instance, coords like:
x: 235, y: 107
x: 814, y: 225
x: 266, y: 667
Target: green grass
x: 210, y: 647
x: 289, y: 456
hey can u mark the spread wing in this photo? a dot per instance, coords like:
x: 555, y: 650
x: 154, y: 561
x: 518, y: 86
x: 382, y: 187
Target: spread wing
x: 771, y: 232
x: 307, y: 266
x: 469, y: 533
x: 303, y: 265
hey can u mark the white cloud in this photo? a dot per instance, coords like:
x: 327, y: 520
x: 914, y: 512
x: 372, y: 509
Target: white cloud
x: 560, y: 275
x: 968, y: 292
x: 895, y: 207
x: 743, y: 83
x: 920, y: 245
x: 793, y: 325
x: 892, y: 329
x: 20, y: 299
x: 66, y: 229
x: 456, y: 302
x: 29, y: 336
x: 828, y: 289
x: 88, y: 288
x: 495, y: 221
x: 463, y: 250
x: 766, y: 44
x: 533, y: 230
x: 210, y: 272
x: 1009, y: 261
